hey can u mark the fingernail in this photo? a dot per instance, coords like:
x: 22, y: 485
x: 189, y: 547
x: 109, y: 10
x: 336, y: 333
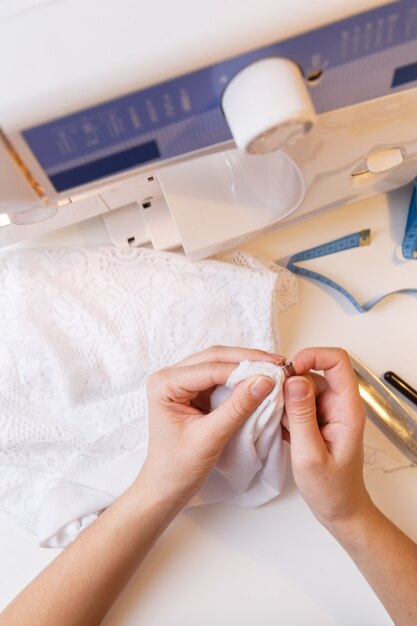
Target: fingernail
x: 297, y: 388
x: 262, y: 387
x: 277, y: 357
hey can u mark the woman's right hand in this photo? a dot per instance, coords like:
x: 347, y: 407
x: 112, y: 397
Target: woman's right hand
x: 325, y: 419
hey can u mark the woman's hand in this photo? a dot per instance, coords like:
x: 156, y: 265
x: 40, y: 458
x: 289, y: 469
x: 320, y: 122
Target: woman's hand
x: 185, y: 438
x: 325, y: 418
x: 185, y: 442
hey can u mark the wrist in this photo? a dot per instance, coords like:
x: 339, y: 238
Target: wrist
x: 164, y: 496
x: 354, y: 530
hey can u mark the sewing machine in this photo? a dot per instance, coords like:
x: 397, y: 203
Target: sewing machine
x: 210, y: 159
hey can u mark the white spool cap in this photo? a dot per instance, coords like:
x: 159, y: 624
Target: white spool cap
x: 267, y: 104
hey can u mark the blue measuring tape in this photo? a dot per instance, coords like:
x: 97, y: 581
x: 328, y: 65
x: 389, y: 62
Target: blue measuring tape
x: 409, y: 247
x: 361, y: 238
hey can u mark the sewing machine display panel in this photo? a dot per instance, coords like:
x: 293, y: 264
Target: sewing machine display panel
x: 358, y: 59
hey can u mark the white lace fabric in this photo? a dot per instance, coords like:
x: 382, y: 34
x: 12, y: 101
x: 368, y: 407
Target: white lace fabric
x: 80, y: 331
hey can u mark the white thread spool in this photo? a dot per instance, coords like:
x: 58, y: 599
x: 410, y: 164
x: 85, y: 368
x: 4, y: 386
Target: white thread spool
x: 267, y: 104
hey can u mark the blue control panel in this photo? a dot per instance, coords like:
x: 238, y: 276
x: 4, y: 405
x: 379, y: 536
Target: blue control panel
x: 357, y: 59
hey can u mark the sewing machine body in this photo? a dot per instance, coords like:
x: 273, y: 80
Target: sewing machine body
x: 189, y: 186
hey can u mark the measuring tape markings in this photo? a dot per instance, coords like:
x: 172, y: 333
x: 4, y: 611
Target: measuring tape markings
x: 355, y: 240
x: 409, y: 246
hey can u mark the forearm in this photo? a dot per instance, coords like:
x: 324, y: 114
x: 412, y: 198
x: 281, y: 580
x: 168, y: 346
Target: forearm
x: 79, y: 587
x: 387, y: 558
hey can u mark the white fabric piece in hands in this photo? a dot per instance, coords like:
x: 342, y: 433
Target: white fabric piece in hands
x: 251, y: 468
x: 80, y: 331
x: 249, y: 472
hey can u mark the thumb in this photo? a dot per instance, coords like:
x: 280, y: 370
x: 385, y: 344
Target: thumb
x: 241, y: 403
x: 300, y: 407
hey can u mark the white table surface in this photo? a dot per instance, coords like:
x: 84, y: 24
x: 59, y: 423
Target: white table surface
x: 274, y: 565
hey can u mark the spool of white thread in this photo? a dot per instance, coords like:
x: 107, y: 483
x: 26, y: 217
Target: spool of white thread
x: 267, y: 105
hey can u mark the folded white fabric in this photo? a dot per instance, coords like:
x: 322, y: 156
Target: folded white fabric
x: 80, y: 331
x: 249, y: 472
x: 251, y: 468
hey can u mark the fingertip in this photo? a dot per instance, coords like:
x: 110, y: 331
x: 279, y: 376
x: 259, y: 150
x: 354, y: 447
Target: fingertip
x: 277, y: 359
x: 261, y: 387
x: 297, y: 388
x: 303, y: 360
